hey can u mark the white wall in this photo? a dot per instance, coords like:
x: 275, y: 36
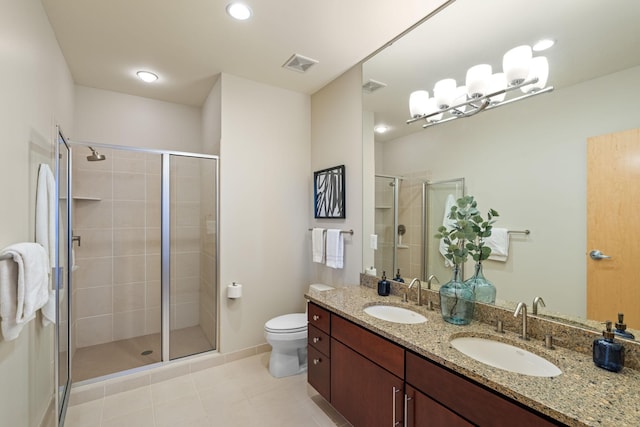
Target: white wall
x: 528, y: 161
x: 211, y: 116
x: 108, y: 117
x: 336, y: 139
x: 265, y: 206
x: 37, y: 93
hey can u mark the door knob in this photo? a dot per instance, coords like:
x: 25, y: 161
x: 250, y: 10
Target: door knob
x: 598, y: 255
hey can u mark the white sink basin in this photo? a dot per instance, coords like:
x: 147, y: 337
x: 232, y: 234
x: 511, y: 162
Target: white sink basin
x: 394, y: 314
x: 505, y: 356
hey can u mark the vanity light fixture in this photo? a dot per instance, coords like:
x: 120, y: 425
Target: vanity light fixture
x: 239, y: 11
x: 484, y: 90
x: 147, y: 76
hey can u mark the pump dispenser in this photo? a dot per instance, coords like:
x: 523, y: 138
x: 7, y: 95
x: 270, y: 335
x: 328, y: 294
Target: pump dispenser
x: 621, y: 328
x: 384, y: 286
x: 399, y: 278
x: 607, y: 353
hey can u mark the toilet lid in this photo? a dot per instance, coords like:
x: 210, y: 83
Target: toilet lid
x: 296, y: 322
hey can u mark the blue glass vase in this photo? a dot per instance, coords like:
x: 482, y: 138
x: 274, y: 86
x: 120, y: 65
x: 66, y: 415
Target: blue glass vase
x: 482, y: 288
x: 457, y: 300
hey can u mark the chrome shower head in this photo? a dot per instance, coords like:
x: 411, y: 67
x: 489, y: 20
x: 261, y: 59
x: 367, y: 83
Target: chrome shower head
x: 95, y: 156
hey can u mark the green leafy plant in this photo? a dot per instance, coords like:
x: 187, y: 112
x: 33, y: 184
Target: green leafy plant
x: 468, y: 232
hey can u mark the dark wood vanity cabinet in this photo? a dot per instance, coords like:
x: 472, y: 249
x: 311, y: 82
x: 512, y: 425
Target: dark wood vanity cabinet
x: 367, y: 371
x: 319, y: 350
x: 467, y: 399
x: 374, y: 382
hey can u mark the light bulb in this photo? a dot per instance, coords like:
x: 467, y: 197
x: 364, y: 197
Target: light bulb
x: 539, y: 69
x: 497, y: 82
x: 478, y: 80
x: 444, y: 91
x: 418, y: 103
x: 516, y: 64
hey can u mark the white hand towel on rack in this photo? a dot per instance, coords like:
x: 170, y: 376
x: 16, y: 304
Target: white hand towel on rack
x: 449, y: 224
x: 335, y: 249
x: 23, y: 286
x: 46, y: 231
x: 499, y: 244
x: 318, y: 245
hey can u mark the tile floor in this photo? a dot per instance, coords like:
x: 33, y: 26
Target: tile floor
x: 117, y: 356
x: 237, y: 394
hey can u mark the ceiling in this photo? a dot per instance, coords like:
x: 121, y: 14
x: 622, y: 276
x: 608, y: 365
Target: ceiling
x: 592, y: 39
x: 188, y: 43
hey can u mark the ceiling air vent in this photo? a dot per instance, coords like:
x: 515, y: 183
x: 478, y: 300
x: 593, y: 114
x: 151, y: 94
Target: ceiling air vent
x: 299, y: 63
x: 372, y: 85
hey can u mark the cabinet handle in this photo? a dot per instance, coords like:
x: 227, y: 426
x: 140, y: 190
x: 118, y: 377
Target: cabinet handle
x: 316, y: 361
x: 406, y: 410
x: 316, y: 340
x: 316, y: 317
x: 393, y: 396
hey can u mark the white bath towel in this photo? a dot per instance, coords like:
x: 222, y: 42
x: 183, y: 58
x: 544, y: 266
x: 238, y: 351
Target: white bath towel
x: 46, y: 231
x: 499, y: 244
x: 449, y: 224
x: 335, y: 249
x: 23, y: 286
x: 318, y: 245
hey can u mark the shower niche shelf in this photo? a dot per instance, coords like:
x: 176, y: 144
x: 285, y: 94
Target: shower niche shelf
x: 85, y: 198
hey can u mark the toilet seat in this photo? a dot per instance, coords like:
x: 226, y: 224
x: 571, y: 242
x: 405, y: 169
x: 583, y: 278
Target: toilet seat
x: 287, y: 324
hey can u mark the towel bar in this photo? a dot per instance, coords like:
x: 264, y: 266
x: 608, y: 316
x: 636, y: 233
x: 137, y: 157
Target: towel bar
x: 5, y: 257
x: 341, y: 231
x: 519, y: 232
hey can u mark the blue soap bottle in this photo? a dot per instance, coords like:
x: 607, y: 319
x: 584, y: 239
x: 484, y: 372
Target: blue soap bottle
x: 398, y: 278
x: 607, y: 353
x: 621, y: 328
x: 384, y: 286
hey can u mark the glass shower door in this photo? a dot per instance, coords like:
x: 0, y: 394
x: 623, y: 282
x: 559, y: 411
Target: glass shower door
x: 193, y: 247
x: 386, y: 224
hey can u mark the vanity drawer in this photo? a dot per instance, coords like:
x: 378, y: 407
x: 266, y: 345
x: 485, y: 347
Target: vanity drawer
x: 319, y: 372
x: 319, y: 340
x: 319, y: 317
x: 375, y: 348
x: 471, y: 401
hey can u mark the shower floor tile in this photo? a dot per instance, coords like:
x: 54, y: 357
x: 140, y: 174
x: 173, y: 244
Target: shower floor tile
x: 109, y: 358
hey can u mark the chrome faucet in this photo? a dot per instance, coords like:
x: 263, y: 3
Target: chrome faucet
x: 430, y: 279
x: 419, y: 302
x: 536, y: 301
x: 522, y: 307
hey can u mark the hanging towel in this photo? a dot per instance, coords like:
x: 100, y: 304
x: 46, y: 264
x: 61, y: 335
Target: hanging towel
x: 46, y: 231
x: 23, y: 286
x: 449, y: 224
x: 335, y: 249
x: 499, y: 244
x: 318, y: 244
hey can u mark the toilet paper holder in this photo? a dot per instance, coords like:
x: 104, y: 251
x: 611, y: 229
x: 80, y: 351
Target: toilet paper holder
x: 234, y: 290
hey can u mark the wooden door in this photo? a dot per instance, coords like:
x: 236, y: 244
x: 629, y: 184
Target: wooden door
x: 613, y: 226
x: 363, y: 392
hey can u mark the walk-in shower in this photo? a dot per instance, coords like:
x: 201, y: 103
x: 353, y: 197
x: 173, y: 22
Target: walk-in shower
x: 408, y: 212
x: 143, y: 259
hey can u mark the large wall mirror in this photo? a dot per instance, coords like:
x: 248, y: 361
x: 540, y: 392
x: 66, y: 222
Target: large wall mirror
x: 527, y: 160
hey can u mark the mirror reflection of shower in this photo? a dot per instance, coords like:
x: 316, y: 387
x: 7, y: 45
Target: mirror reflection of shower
x: 95, y: 156
x: 401, y: 230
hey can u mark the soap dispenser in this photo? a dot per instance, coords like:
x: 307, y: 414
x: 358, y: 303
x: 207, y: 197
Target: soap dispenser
x: 384, y: 286
x: 607, y: 353
x: 399, y: 278
x: 621, y: 328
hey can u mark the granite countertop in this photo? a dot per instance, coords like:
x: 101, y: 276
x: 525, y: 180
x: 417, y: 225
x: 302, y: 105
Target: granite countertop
x: 583, y: 395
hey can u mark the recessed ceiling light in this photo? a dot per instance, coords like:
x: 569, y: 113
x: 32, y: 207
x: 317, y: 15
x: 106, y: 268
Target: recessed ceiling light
x: 543, y: 45
x: 147, y: 76
x: 239, y: 11
x: 380, y: 128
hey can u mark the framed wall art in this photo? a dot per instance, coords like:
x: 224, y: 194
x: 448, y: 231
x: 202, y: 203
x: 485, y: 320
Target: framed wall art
x: 329, y: 192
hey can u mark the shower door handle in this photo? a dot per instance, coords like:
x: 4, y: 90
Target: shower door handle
x: 597, y: 255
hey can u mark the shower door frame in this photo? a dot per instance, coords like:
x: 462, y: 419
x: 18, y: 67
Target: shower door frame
x: 165, y: 252
x: 396, y: 200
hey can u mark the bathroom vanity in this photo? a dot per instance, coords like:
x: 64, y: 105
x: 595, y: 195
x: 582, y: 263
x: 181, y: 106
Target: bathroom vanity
x: 376, y: 372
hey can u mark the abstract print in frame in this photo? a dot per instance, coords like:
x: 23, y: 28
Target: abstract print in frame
x: 328, y: 191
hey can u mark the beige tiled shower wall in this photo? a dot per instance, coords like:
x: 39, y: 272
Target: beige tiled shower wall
x: 117, y: 216
x: 410, y: 215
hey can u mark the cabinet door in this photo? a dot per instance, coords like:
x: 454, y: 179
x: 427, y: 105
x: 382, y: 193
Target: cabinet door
x: 424, y: 411
x: 363, y: 392
x: 319, y: 372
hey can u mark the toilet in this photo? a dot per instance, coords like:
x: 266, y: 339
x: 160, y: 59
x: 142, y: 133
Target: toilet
x: 287, y: 335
